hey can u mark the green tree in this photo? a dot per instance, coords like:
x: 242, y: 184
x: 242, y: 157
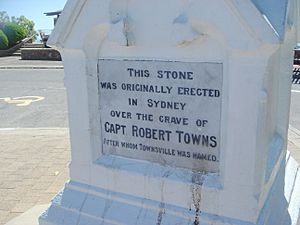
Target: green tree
x: 3, y: 41
x: 15, y: 33
x: 28, y: 25
x: 22, y: 21
x: 4, y: 18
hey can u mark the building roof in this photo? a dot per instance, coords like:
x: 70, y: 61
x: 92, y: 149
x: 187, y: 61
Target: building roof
x: 55, y: 13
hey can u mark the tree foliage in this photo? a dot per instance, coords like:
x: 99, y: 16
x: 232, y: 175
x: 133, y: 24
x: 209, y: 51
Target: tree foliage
x: 3, y: 41
x: 27, y: 24
x: 14, y: 32
x: 4, y: 17
x: 21, y: 21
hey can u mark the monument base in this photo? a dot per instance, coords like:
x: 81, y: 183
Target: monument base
x: 82, y: 204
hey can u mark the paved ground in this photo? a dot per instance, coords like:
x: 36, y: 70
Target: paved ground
x: 294, y: 143
x: 16, y: 63
x: 34, y: 161
x: 32, y: 98
x: 33, y: 168
x: 295, y: 109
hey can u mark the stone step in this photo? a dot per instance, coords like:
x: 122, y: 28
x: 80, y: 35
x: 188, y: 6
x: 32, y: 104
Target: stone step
x: 33, y: 45
x: 17, y: 54
x: 40, y: 54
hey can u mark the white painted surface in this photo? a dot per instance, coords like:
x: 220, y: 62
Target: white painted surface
x: 253, y: 126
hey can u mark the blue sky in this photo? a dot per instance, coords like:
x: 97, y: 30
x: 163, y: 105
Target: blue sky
x: 33, y: 10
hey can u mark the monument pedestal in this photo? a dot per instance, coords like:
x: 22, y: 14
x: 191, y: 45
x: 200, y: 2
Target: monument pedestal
x: 177, y: 115
x: 80, y: 203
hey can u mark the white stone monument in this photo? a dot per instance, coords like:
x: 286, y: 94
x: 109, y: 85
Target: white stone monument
x: 178, y: 112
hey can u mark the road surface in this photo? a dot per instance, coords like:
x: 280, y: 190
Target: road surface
x: 32, y: 98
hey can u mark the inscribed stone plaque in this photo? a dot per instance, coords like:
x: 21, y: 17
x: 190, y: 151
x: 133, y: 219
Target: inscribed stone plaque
x: 162, y: 111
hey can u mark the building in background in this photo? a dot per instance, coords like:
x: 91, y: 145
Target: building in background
x: 44, y: 34
x: 56, y: 13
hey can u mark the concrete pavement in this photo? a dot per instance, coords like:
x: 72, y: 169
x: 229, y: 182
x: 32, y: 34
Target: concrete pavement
x: 294, y: 143
x: 15, y: 62
x: 34, y: 161
x: 33, y: 168
x: 33, y: 98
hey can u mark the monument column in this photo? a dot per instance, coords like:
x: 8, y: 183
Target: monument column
x: 178, y: 112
